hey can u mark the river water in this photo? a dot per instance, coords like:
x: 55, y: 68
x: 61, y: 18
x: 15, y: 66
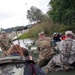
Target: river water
x: 24, y: 42
x: 28, y: 44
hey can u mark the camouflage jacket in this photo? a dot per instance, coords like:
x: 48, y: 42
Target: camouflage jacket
x: 5, y: 43
x: 42, y: 43
x: 45, y: 47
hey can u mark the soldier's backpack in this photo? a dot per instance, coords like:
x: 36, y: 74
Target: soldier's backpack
x: 32, y: 68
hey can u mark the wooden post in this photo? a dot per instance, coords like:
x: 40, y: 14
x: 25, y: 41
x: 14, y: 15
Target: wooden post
x: 17, y: 36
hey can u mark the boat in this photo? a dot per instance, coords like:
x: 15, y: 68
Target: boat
x: 12, y: 65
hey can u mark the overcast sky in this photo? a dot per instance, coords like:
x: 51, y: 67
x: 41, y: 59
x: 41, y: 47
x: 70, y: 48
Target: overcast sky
x: 13, y: 12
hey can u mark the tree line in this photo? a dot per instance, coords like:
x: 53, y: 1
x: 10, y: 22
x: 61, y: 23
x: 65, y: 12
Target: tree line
x: 60, y: 11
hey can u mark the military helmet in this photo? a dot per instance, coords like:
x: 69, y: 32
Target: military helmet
x: 68, y: 32
x: 41, y: 33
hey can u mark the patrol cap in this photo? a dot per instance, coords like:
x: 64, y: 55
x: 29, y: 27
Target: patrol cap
x: 41, y: 33
x: 68, y: 32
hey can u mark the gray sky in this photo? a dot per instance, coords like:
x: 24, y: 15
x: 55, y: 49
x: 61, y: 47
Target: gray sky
x: 13, y: 12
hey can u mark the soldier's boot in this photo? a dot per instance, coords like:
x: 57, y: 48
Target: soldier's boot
x: 66, y: 68
x: 47, y: 70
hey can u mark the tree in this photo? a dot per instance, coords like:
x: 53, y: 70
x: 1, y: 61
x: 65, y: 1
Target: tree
x: 34, y: 14
x: 63, y: 11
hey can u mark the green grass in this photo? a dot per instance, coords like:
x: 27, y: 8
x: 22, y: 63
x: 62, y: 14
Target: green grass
x: 48, y: 27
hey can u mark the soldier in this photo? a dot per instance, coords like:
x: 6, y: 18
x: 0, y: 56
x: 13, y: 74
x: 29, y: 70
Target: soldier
x: 5, y: 42
x: 44, y: 48
x: 66, y: 56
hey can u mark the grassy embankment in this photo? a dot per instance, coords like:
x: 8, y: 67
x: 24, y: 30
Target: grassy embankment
x: 48, y: 27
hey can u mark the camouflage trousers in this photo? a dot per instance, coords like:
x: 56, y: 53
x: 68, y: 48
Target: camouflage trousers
x: 44, y: 57
x: 61, y: 61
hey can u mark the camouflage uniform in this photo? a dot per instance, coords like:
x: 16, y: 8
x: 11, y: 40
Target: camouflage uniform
x: 5, y: 43
x: 45, y: 51
x: 66, y: 56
